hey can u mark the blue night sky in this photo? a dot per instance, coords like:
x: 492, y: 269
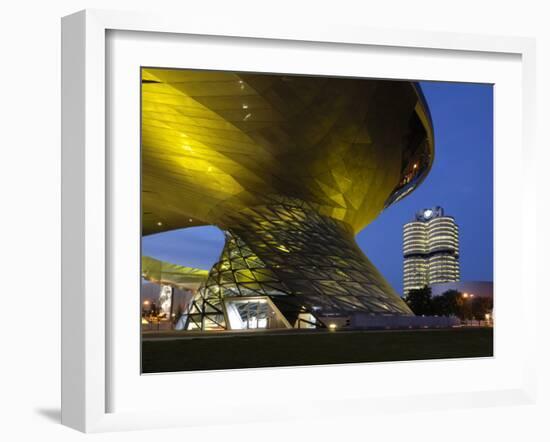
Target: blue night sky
x: 461, y: 181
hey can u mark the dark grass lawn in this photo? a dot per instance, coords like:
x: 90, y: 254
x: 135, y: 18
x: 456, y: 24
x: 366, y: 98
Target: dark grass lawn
x: 276, y: 350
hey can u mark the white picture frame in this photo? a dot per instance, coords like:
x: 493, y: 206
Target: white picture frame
x: 87, y: 224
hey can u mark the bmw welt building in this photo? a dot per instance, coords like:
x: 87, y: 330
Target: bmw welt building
x: 291, y: 168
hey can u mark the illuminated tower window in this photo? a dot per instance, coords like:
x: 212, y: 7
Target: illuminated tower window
x: 430, y: 250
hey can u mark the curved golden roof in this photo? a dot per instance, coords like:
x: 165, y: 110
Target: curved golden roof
x: 162, y: 272
x: 215, y: 143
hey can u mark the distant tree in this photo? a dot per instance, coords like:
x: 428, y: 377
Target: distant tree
x: 447, y: 304
x: 467, y: 307
x: 481, y: 306
x: 420, y: 301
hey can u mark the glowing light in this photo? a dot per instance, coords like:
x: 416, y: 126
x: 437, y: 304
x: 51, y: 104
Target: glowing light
x: 415, y: 166
x: 245, y: 106
x: 159, y: 224
x: 332, y: 326
x: 246, y: 117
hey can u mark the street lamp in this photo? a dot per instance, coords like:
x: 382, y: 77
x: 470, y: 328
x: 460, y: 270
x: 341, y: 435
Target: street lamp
x: 145, y: 306
x: 464, y: 297
x: 467, y: 296
x: 144, y: 313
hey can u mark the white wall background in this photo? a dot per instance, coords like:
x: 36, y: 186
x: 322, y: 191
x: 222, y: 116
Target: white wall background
x: 30, y: 213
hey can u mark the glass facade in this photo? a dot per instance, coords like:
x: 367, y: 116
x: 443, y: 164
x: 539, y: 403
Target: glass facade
x: 307, y: 264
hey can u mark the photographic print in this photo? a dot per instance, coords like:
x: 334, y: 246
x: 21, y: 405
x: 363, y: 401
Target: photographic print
x: 293, y: 220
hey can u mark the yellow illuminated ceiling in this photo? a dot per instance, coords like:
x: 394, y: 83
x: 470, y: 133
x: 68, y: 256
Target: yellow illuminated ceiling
x: 215, y: 143
x: 162, y: 272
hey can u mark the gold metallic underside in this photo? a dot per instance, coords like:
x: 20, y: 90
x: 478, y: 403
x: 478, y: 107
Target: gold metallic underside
x: 215, y: 143
x: 162, y: 272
